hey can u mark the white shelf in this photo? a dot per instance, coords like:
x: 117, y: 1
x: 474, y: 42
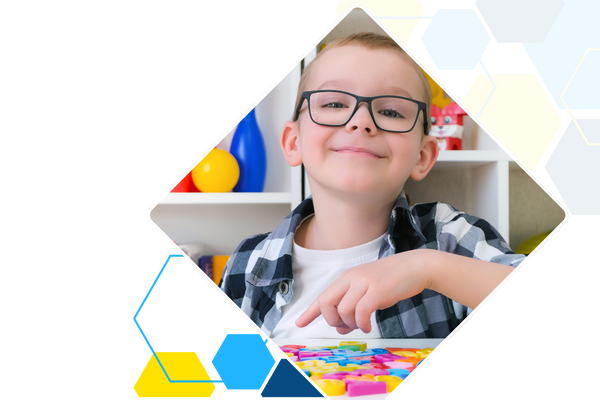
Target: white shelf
x: 469, y: 158
x: 228, y: 198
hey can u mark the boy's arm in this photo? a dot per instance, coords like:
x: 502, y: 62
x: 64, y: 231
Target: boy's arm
x: 465, y: 280
x: 349, y: 302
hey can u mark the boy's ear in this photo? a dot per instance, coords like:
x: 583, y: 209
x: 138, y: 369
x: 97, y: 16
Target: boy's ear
x: 427, y: 157
x: 290, y: 143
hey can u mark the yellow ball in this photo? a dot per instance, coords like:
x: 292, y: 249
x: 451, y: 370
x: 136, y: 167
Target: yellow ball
x: 217, y: 172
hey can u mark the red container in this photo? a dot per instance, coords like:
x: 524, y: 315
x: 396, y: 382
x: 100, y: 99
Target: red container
x: 186, y: 185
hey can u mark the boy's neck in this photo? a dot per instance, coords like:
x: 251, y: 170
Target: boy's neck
x: 343, y: 222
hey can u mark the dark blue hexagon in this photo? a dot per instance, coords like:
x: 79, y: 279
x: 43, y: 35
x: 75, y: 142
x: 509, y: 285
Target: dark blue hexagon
x: 519, y: 21
x: 456, y: 39
x: 573, y: 168
x: 255, y: 355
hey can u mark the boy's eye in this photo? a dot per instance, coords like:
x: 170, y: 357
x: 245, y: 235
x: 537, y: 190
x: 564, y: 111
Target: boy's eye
x: 391, y: 114
x: 334, y: 104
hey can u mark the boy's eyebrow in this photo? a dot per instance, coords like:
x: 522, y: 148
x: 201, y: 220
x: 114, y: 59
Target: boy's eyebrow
x: 337, y: 84
x: 395, y: 90
x: 333, y: 84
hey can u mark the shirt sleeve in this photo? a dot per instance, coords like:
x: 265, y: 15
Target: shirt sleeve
x: 233, y: 280
x: 470, y: 236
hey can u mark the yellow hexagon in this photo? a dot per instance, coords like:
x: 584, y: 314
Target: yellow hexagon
x: 398, y: 17
x: 478, y: 94
x: 520, y: 116
x: 181, y: 366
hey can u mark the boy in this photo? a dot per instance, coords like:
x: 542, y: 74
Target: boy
x: 355, y: 259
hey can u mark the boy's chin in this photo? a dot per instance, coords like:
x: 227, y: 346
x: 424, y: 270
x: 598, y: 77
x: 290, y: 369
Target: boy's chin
x: 369, y: 192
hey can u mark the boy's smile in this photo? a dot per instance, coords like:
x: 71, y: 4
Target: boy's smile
x: 359, y: 151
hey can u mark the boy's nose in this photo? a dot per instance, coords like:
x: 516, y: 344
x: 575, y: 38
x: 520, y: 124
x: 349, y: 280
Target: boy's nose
x: 361, y: 120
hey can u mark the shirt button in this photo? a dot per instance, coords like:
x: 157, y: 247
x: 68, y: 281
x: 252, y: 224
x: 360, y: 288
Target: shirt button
x: 283, y: 287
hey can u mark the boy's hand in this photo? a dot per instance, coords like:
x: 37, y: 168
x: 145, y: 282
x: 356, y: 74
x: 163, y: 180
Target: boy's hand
x: 349, y: 301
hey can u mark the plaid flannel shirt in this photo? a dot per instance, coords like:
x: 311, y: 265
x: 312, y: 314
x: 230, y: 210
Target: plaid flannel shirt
x: 258, y: 276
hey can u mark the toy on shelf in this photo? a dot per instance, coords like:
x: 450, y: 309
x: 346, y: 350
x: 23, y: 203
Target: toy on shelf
x: 217, y: 172
x: 192, y: 250
x: 439, y: 98
x: 205, y: 264
x: 529, y: 245
x: 213, y: 266
x: 248, y: 148
x: 447, y: 126
x: 218, y: 265
x: 185, y: 185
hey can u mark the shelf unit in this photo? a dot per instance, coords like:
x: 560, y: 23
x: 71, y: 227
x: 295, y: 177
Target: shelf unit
x: 481, y: 180
x: 228, y: 198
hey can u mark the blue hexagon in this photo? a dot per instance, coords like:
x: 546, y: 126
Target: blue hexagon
x: 556, y: 59
x: 574, y: 167
x: 519, y: 21
x: 253, y: 351
x: 456, y: 39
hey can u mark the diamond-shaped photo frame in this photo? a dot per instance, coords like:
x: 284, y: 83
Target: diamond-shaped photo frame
x: 286, y: 187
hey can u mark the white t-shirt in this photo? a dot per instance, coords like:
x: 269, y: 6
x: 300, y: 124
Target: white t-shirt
x: 314, y: 271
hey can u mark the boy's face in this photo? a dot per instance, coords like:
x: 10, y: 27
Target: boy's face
x: 359, y: 158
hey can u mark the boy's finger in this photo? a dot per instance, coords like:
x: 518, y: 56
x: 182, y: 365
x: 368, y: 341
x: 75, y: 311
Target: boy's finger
x: 331, y: 315
x: 344, y: 330
x: 347, y: 307
x: 367, y: 305
x: 308, y: 316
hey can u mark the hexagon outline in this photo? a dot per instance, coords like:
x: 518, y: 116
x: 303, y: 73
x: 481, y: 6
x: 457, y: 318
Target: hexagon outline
x: 565, y: 103
x: 570, y: 37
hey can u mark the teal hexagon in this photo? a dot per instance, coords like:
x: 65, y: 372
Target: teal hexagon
x: 254, y: 350
x: 456, y: 39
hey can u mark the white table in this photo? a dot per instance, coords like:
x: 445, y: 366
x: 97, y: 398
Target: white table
x: 371, y: 343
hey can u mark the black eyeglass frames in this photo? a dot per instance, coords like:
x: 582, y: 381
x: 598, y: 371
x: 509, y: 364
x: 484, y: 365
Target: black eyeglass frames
x: 336, y: 108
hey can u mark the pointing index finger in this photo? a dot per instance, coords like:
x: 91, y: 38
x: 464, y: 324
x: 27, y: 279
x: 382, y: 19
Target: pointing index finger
x: 308, y: 316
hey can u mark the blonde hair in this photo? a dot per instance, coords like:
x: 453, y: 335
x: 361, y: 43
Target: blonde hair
x: 372, y: 41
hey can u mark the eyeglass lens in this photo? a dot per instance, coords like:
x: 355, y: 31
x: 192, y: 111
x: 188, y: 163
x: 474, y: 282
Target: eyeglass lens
x: 390, y: 113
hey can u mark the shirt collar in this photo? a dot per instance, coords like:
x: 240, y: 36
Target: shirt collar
x: 263, y: 276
